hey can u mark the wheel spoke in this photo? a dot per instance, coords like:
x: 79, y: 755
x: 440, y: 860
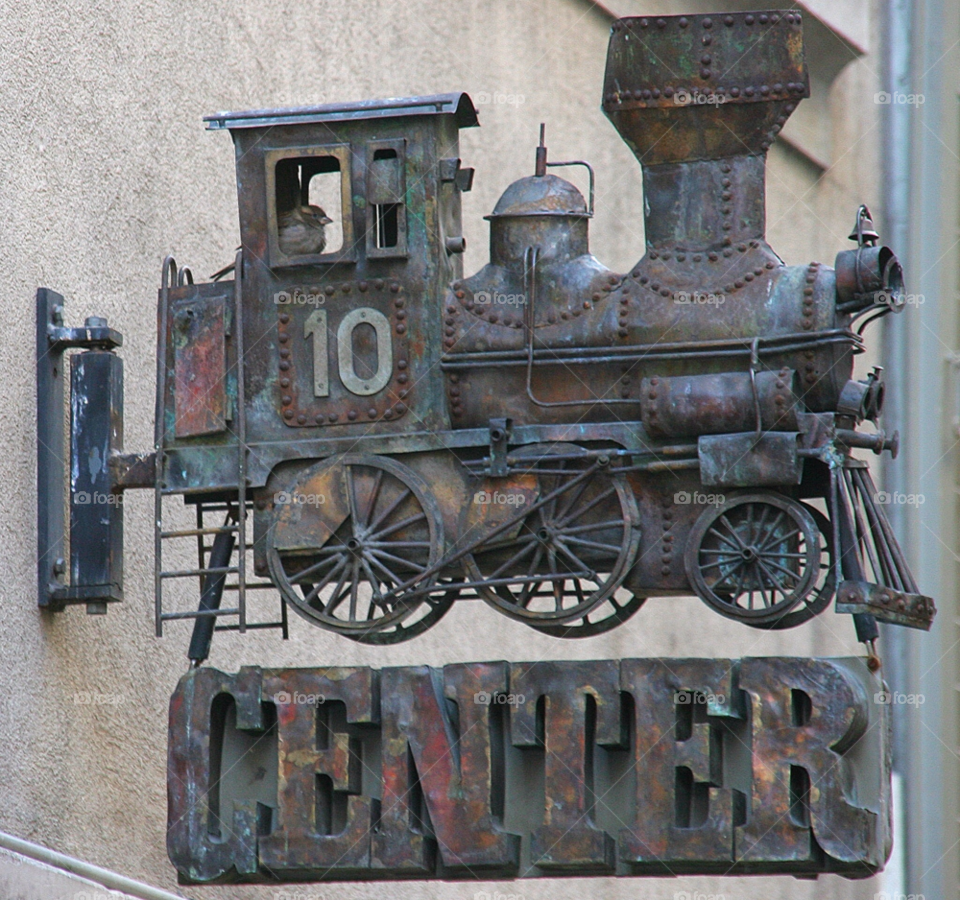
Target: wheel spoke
x: 310, y: 570
x: 772, y: 577
x: 340, y: 592
x: 403, y: 523
x: 396, y: 502
x: 354, y: 590
x: 397, y: 560
x: 581, y: 565
x: 594, y: 545
x: 735, y: 545
x: 523, y: 551
x: 315, y: 590
x: 733, y: 531
x: 584, y: 510
x: 374, y: 494
x: 596, y: 526
x: 779, y: 539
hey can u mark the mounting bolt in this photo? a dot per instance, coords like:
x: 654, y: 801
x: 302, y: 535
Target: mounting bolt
x: 95, y: 322
x: 59, y: 566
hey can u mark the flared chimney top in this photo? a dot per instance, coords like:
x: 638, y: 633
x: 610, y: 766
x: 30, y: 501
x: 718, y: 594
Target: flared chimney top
x: 699, y: 87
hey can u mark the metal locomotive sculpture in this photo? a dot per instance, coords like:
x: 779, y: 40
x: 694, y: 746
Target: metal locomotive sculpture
x: 558, y: 439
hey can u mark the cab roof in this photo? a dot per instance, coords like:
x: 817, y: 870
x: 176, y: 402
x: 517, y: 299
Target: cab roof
x: 456, y: 104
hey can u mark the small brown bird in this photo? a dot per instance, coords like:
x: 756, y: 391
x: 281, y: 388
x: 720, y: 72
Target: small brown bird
x: 301, y: 231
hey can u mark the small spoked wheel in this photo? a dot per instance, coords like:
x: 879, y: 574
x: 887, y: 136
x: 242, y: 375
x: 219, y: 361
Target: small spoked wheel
x: 349, y: 546
x: 756, y: 559
x: 570, y: 552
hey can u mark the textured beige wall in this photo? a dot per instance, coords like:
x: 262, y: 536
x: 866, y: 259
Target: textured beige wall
x: 105, y: 169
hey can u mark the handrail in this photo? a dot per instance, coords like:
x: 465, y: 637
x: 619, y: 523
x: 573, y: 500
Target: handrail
x: 110, y: 880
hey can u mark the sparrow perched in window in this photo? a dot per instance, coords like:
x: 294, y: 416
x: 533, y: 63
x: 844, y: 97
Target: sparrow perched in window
x: 301, y: 230
x: 300, y: 233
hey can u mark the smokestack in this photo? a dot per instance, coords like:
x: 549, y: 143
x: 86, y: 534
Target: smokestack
x: 699, y: 100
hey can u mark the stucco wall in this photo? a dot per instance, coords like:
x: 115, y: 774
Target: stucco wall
x: 105, y: 169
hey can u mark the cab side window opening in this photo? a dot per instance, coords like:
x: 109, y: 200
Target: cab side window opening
x: 386, y: 189
x: 308, y: 199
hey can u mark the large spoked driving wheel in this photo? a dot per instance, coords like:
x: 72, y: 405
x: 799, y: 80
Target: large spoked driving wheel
x: 755, y: 558
x: 572, y: 550
x: 349, y: 546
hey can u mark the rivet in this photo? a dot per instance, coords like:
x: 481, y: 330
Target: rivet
x: 645, y: 94
x: 401, y: 315
x: 728, y: 21
x: 345, y: 287
x: 379, y: 284
x: 284, y: 382
x: 332, y: 417
x: 712, y: 256
x: 286, y: 399
x: 735, y: 92
x: 665, y: 570
x: 352, y: 415
x: 644, y: 23
x: 302, y: 419
x: 363, y: 287
x: 597, y: 297
x: 399, y: 408
x: 697, y: 257
x: 452, y: 310
x: 749, y: 20
x: 668, y: 91
x: 586, y: 304
x: 664, y: 292
x: 394, y: 286
x: 661, y: 23
x: 402, y: 364
x: 401, y: 328
x: 706, y: 59
x: 770, y: 264
x: 449, y: 332
x: 706, y: 40
x: 729, y: 288
x: 778, y: 88
x: 664, y: 256
x: 758, y: 271
x: 284, y: 338
x: 763, y: 19
x: 705, y: 73
x: 372, y: 413
x: 681, y: 257
x: 708, y: 23
x: 748, y: 90
x: 622, y: 332
x: 288, y: 413
x: 656, y: 93
x: 655, y: 286
x: 764, y: 89
x: 564, y: 315
x: 284, y: 318
x: 738, y: 283
x: 551, y: 319
x: 683, y: 23
x: 492, y: 317
x: 398, y: 303
x: 284, y: 365
x: 653, y: 254
x: 748, y: 276
x: 284, y: 353
x: 459, y: 295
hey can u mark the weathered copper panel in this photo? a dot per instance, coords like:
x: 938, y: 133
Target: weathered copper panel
x: 199, y: 335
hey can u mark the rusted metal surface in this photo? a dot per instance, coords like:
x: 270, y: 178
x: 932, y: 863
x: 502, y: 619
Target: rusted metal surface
x: 555, y: 436
x: 199, y: 338
x: 490, y: 770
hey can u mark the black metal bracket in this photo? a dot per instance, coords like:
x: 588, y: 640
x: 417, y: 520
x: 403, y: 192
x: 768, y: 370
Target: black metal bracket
x: 500, y: 430
x: 96, y: 436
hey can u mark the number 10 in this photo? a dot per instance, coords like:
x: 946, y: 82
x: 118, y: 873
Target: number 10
x: 316, y: 327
